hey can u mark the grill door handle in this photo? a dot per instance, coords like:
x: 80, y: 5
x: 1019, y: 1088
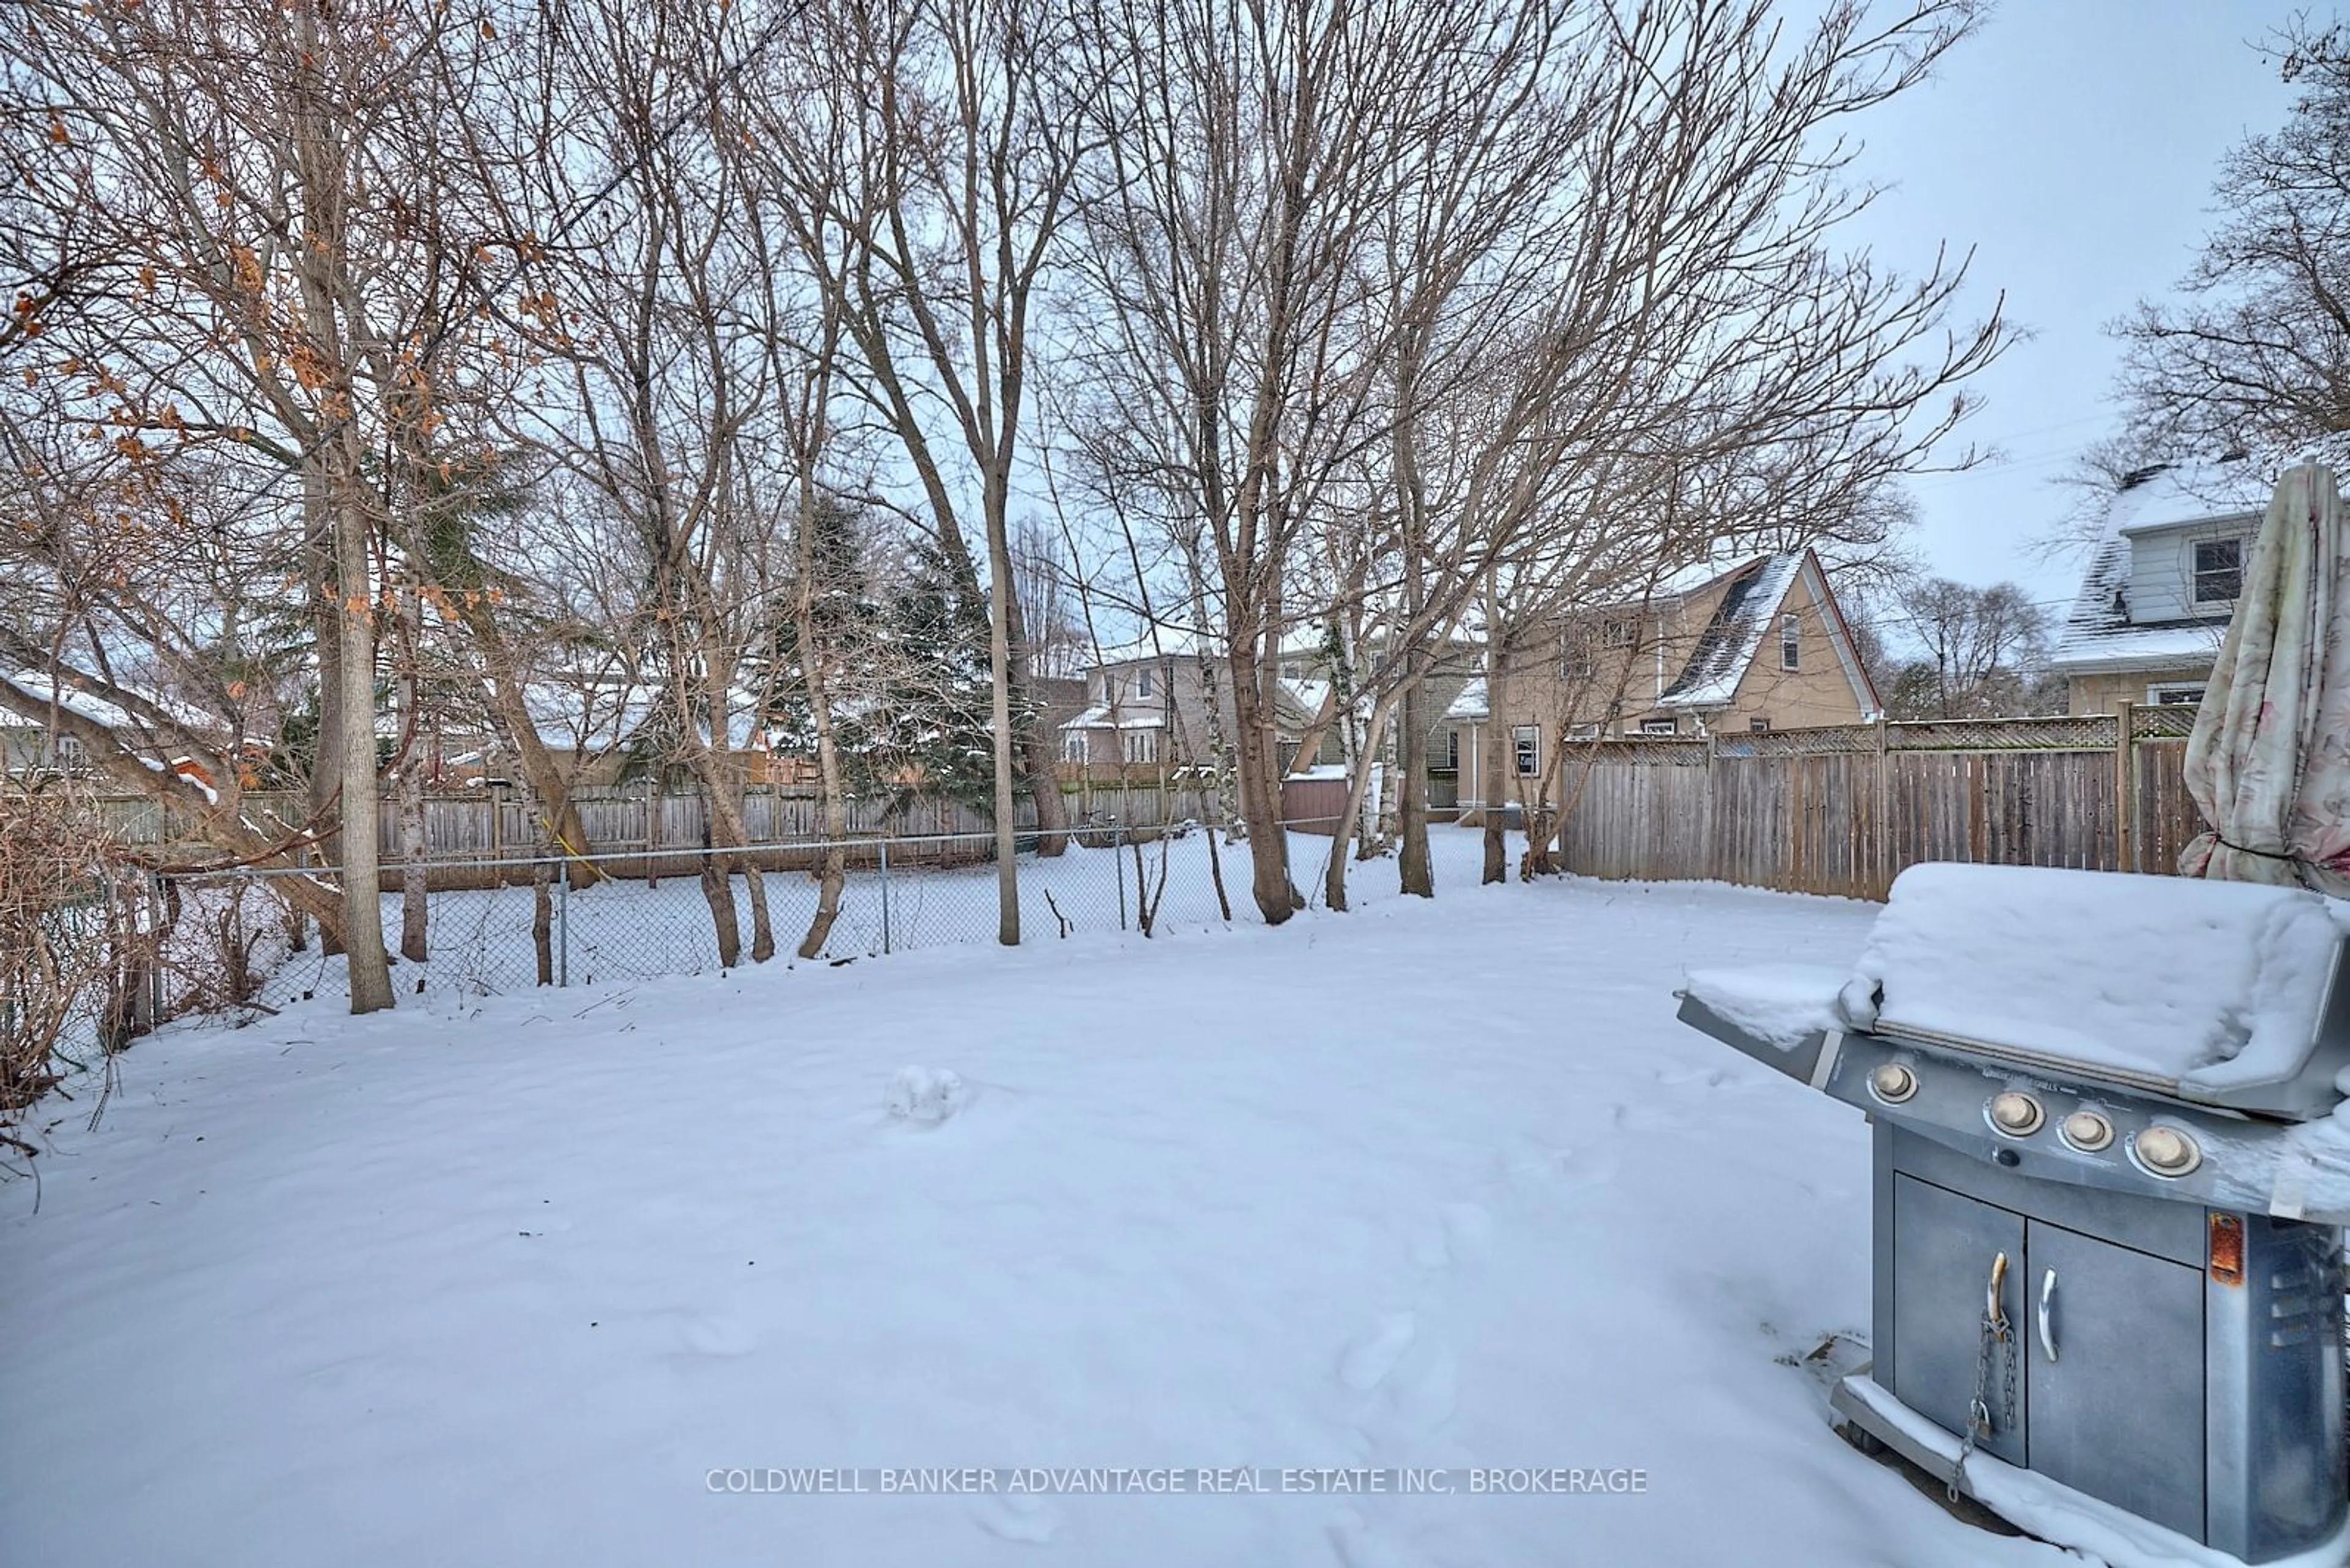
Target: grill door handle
x: 2047, y: 1301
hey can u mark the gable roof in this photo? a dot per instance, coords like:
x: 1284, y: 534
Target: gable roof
x: 2099, y: 636
x: 1734, y: 635
x: 1743, y: 621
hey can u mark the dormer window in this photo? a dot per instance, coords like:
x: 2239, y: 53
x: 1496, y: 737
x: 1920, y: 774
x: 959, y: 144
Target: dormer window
x: 2219, y: 571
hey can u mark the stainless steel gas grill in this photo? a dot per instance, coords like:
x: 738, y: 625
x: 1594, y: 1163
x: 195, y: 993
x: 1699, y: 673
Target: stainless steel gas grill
x: 2106, y: 1242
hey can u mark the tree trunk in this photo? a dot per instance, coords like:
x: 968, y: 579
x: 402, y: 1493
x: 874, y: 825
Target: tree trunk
x: 1498, y: 765
x: 1415, y: 874
x: 718, y: 889
x: 326, y: 644
x: 414, y: 913
x: 998, y: 659
x: 369, y: 966
x: 1259, y: 773
x: 542, y: 922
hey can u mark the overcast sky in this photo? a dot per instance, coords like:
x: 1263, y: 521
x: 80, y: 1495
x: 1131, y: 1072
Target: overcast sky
x: 2072, y: 142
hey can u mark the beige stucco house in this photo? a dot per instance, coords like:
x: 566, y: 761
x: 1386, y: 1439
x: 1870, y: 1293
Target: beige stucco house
x: 1760, y: 645
x: 2158, y: 592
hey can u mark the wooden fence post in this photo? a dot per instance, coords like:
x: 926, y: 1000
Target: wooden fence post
x: 1881, y: 854
x: 2125, y: 788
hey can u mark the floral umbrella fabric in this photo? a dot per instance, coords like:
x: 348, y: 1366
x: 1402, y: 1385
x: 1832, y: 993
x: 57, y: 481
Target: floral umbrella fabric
x: 2268, y: 760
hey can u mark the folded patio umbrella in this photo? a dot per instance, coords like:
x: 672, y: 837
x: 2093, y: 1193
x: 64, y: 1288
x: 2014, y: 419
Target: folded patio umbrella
x: 2268, y: 760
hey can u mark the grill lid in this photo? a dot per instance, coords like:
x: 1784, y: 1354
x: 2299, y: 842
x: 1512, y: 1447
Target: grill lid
x: 2221, y: 992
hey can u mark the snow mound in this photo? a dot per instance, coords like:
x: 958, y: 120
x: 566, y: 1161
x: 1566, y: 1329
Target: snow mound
x: 926, y: 1095
x: 1784, y: 1004
x: 2218, y: 983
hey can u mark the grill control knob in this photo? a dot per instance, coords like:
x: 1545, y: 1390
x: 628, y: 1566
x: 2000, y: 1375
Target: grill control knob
x: 1893, y: 1082
x: 2167, y: 1151
x: 2016, y: 1114
x: 2087, y: 1131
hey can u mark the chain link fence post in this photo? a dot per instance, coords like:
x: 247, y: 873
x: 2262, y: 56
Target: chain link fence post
x: 884, y: 897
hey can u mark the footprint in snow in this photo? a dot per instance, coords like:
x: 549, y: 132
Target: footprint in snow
x: 925, y: 1096
x: 1426, y: 1392
x: 1369, y: 1360
x: 1358, y: 1546
x: 1468, y: 1229
x: 1019, y: 1516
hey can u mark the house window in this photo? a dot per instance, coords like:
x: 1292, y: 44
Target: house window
x: 1582, y: 731
x: 1291, y: 669
x: 69, y: 751
x: 1142, y: 745
x: 1073, y: 746
x: 1576, y: 663
x: 2219, y: 571
x: 1451, y: 751
x: 1526, y: 740
x: 1759, y: 724
x: 1142, y: 684
x: 1791, y: 642
x: 2176, y: 694
x: 1618, y: 631
x: 1658, y: 726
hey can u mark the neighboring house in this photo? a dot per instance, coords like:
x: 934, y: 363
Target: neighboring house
x: 1147, y: 709
x: 30, y: 747
x: 1147, y: 703
x: 1761, y: 646
x: 2158, y: 592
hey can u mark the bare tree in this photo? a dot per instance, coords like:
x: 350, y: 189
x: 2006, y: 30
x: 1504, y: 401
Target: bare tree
x: 2255, y: 356
x: 1985, y: 652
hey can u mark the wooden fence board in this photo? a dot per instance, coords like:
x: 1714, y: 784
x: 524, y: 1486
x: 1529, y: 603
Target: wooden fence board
x: 1842, y: 811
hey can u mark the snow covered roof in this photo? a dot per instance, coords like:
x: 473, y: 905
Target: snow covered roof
x: 1709, y: 679
x: 1471, y: 705
x: 71, y: 698
x: 1100, y: 717
x: 2098, y: 634
x: 1173, y: 641
x: 2179, y: 494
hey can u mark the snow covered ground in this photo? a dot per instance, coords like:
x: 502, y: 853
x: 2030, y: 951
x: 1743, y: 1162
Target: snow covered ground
x: 1434, y: 1185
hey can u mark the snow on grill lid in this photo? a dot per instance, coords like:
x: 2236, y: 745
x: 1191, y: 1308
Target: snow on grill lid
x: 2219, y: 984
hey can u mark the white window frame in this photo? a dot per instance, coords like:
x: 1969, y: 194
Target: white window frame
x: 1619, y: 631
x: 1140, y: 746
x: 1660, y: 726
x: 1758, y: 724
x: 2196, y: 573
x: 1582, y: 731
x: 1075, y: 747
x: 1451, y: 751
x: 1142, y: 682
x: 1576, y: 661
x: 1791, y: 642
x: 2175, y: 693
x: 1525, y: 750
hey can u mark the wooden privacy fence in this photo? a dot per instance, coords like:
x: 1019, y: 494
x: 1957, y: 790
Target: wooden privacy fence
x: 486, y: 825
x: 1843, y: 810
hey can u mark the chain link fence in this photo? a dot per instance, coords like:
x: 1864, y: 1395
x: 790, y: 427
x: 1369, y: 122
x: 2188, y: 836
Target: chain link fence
x: 233, y: 938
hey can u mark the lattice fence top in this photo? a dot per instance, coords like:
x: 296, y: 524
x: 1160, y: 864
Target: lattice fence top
x: 2082, y: 733
x: 1826, y: 740
x: 2170, y: 722
x: 2053, y: 732
x: 1643, y: 750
